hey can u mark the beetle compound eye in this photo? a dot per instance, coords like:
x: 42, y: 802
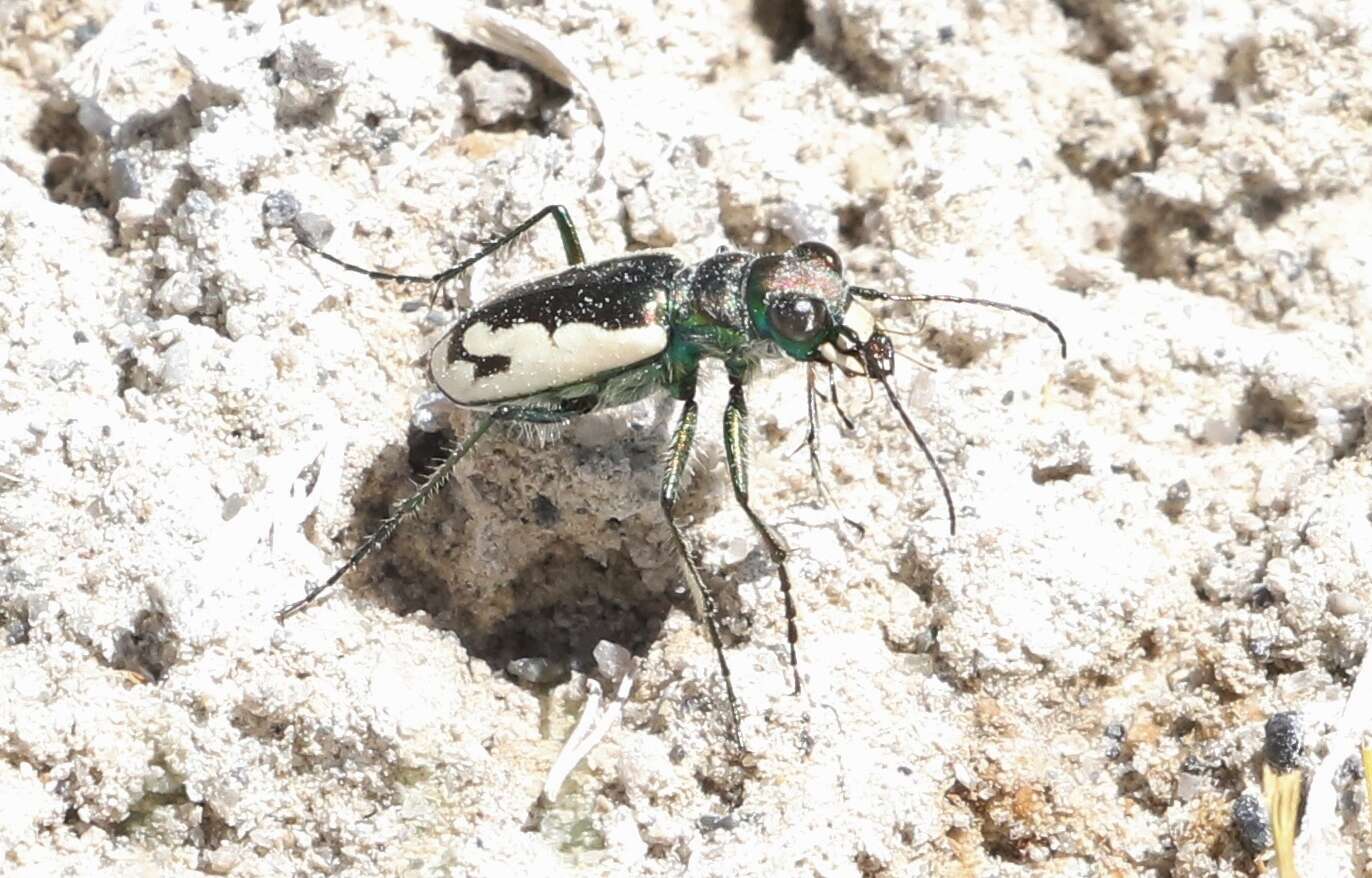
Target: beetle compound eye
x: 798, y: 318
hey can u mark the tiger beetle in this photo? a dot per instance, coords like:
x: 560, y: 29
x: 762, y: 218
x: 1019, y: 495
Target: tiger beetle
x: 604, y: 334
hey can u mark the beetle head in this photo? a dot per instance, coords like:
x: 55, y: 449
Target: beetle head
x: 799, y: 301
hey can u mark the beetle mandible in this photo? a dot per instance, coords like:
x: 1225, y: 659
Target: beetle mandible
x: 604, y: 334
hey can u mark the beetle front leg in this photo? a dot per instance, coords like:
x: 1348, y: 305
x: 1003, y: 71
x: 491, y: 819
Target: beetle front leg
x: 812, y: 442
x: 736, y: 453
x: 678, y: 456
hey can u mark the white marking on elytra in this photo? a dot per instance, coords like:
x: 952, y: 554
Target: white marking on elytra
x: 576, y: 352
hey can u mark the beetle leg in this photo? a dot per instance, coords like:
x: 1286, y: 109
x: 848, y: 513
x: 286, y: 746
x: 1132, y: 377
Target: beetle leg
x: 678, y: 456
x: 558, y: 412
x: 571, y: 245
x: 399, y: 512
x: 812, y: 442
x: 563, y: 411
x: 833, y: 398
x: 736, y: 454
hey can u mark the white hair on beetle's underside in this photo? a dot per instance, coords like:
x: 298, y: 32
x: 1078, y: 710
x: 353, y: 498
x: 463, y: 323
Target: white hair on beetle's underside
x: 534, y: 433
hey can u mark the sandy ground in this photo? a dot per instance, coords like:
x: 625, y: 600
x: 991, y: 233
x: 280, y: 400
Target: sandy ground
x: 1163, y: 539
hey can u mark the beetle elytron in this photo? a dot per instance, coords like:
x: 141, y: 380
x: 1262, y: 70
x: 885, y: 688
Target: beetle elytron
x: 604, y: 334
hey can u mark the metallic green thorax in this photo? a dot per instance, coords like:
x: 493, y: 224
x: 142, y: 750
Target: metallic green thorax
x: 720, y: 308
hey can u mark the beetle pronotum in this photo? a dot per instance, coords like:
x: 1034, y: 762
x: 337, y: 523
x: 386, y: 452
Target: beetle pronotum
x: 609, y: 333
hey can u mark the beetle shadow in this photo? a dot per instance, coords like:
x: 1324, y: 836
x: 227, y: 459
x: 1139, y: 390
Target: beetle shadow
x: 550, y: 612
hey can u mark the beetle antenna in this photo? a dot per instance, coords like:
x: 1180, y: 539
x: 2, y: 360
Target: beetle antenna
x: 914, y: 361
x: 879, y: 296
x: 928, y: 455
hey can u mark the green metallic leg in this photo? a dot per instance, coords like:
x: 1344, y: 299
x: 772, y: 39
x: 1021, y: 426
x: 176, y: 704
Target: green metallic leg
x: 736, y: 454
x: 678, y: 456
x: 401, y: 511
x: 571, y: 245
x: 437, y: 479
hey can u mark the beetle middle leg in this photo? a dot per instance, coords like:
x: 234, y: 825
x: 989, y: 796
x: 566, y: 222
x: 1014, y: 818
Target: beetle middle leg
x: 678, y: 457
x: 736, y: 454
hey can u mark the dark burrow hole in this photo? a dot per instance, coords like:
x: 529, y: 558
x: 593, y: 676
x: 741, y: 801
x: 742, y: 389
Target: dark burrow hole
x: 1148, y: 249
x: 68, y: 175
x: 1101, y: 38
x: 148, y: 649
x: 1101, y: 173
x: 784, y: 23
x: 548, y: 96
x: 997, y: 840
x: 553, y: 611
x: 1264, y: 414
x: 1265, y: 204
x: 214, y: 830
x: 1240, y: 72
x: 426, y: 451
x: 558, y: 620
x: 1061, y: 473
x: 14, y: 623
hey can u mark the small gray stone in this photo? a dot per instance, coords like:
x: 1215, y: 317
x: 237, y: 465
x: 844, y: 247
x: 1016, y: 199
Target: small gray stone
x: 1250, y: 823
x: 312, y: 228
x: 492, y: 96
x: 1341, y: 603
x: 538, y: 671
x: 1177, y: 497
x: 1282, y: 740
x: 279, y: 208
x: 613, y: 660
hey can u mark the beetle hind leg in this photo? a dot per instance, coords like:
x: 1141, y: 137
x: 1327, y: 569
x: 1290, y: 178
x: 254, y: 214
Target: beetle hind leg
x: 563, y: 411
x: 406, y: 508
x: 571, y: 246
